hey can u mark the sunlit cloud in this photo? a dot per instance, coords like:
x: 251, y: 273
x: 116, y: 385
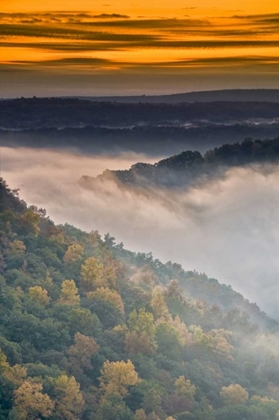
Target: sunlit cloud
x: 110, y: 39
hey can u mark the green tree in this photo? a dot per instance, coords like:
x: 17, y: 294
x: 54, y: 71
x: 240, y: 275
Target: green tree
x: 112, y: 407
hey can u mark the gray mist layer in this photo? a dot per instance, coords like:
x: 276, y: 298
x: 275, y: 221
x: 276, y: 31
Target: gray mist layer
x: 227, y: 228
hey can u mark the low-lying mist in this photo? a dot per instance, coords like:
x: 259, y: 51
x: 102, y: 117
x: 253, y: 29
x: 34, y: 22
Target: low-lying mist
x: 226, y: 227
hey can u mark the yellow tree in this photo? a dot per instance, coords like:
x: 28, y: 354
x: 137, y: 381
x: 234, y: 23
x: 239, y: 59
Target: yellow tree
x: 140, y: 339
x: 234, y: 394
x: 69, y: 293
x: 158, y: 304
x: 140, y: 415
x: 39, y: 295
x: 116, y: 377
x: 30, y: 403
x: 82, y: 351
x: 184, y: 388
x: 31, y: 221
x: 108, y: 295
x: 4, y: 365
x: 17, y: 248
x: 16, y: 374
x: 221, y: 343
x: 152, y: 416
x: 142, y: 322
x: 92, y: 275
x: 69, y: 403
x: 181, y: 328
x: 73, y: 253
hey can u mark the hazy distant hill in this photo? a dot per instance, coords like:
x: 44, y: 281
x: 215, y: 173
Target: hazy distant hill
x: 190, y: 167
x: 240, y: 95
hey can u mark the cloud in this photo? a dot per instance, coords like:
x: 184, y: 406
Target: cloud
x: 89, y: 62
x: 67, y: 33
x: 227, y: 228
x: 162, y: 23
x: 111, y: 16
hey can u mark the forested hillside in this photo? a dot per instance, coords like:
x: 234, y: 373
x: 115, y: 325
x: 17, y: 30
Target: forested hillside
x: 89, y: 330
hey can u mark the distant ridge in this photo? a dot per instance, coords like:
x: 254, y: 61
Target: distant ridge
x: 238, y: 95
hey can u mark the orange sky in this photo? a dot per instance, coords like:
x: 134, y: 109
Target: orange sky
x: 163, y: 45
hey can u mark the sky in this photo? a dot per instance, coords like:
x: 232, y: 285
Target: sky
x: 121, y: 47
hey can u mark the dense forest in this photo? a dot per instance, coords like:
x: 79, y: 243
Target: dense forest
x: 36, y: 113
x: 91, y: 331
x: 191, y: 167
x: 152, y: 128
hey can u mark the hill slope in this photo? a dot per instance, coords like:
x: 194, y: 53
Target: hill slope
x: 90, y: 330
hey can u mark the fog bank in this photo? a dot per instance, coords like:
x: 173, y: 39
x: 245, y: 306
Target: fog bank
x: 227, y: 228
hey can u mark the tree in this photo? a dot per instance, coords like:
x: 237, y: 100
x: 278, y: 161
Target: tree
x: 158, y: 304
x: 92, y: 275
x: 29, y: 221
x: 181, y: 329
x: 69, y: 293
x: 234, y: 394
x: 140, y: 415
x: 139, y: 344
x: 112, y: 407
x: 184, y: 388
x: 140, y: 339
x: 30, y: 403
x: 17, y: 247
x: 83, y: 321
x: 16, y: 374
x: 4, y: 365
x: 142, y: 322
x: 153, y: 416
x: 116, y: 377
x: 152, y: 402
x: 108, y: 295
x: 168, y: 340
x: 204, y: 410
x: 82, y: 351
x: 73, y: 253
x: 220, y: 343
x: 69, y: 403
x: 174, y: 291
x: 39, y: 295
